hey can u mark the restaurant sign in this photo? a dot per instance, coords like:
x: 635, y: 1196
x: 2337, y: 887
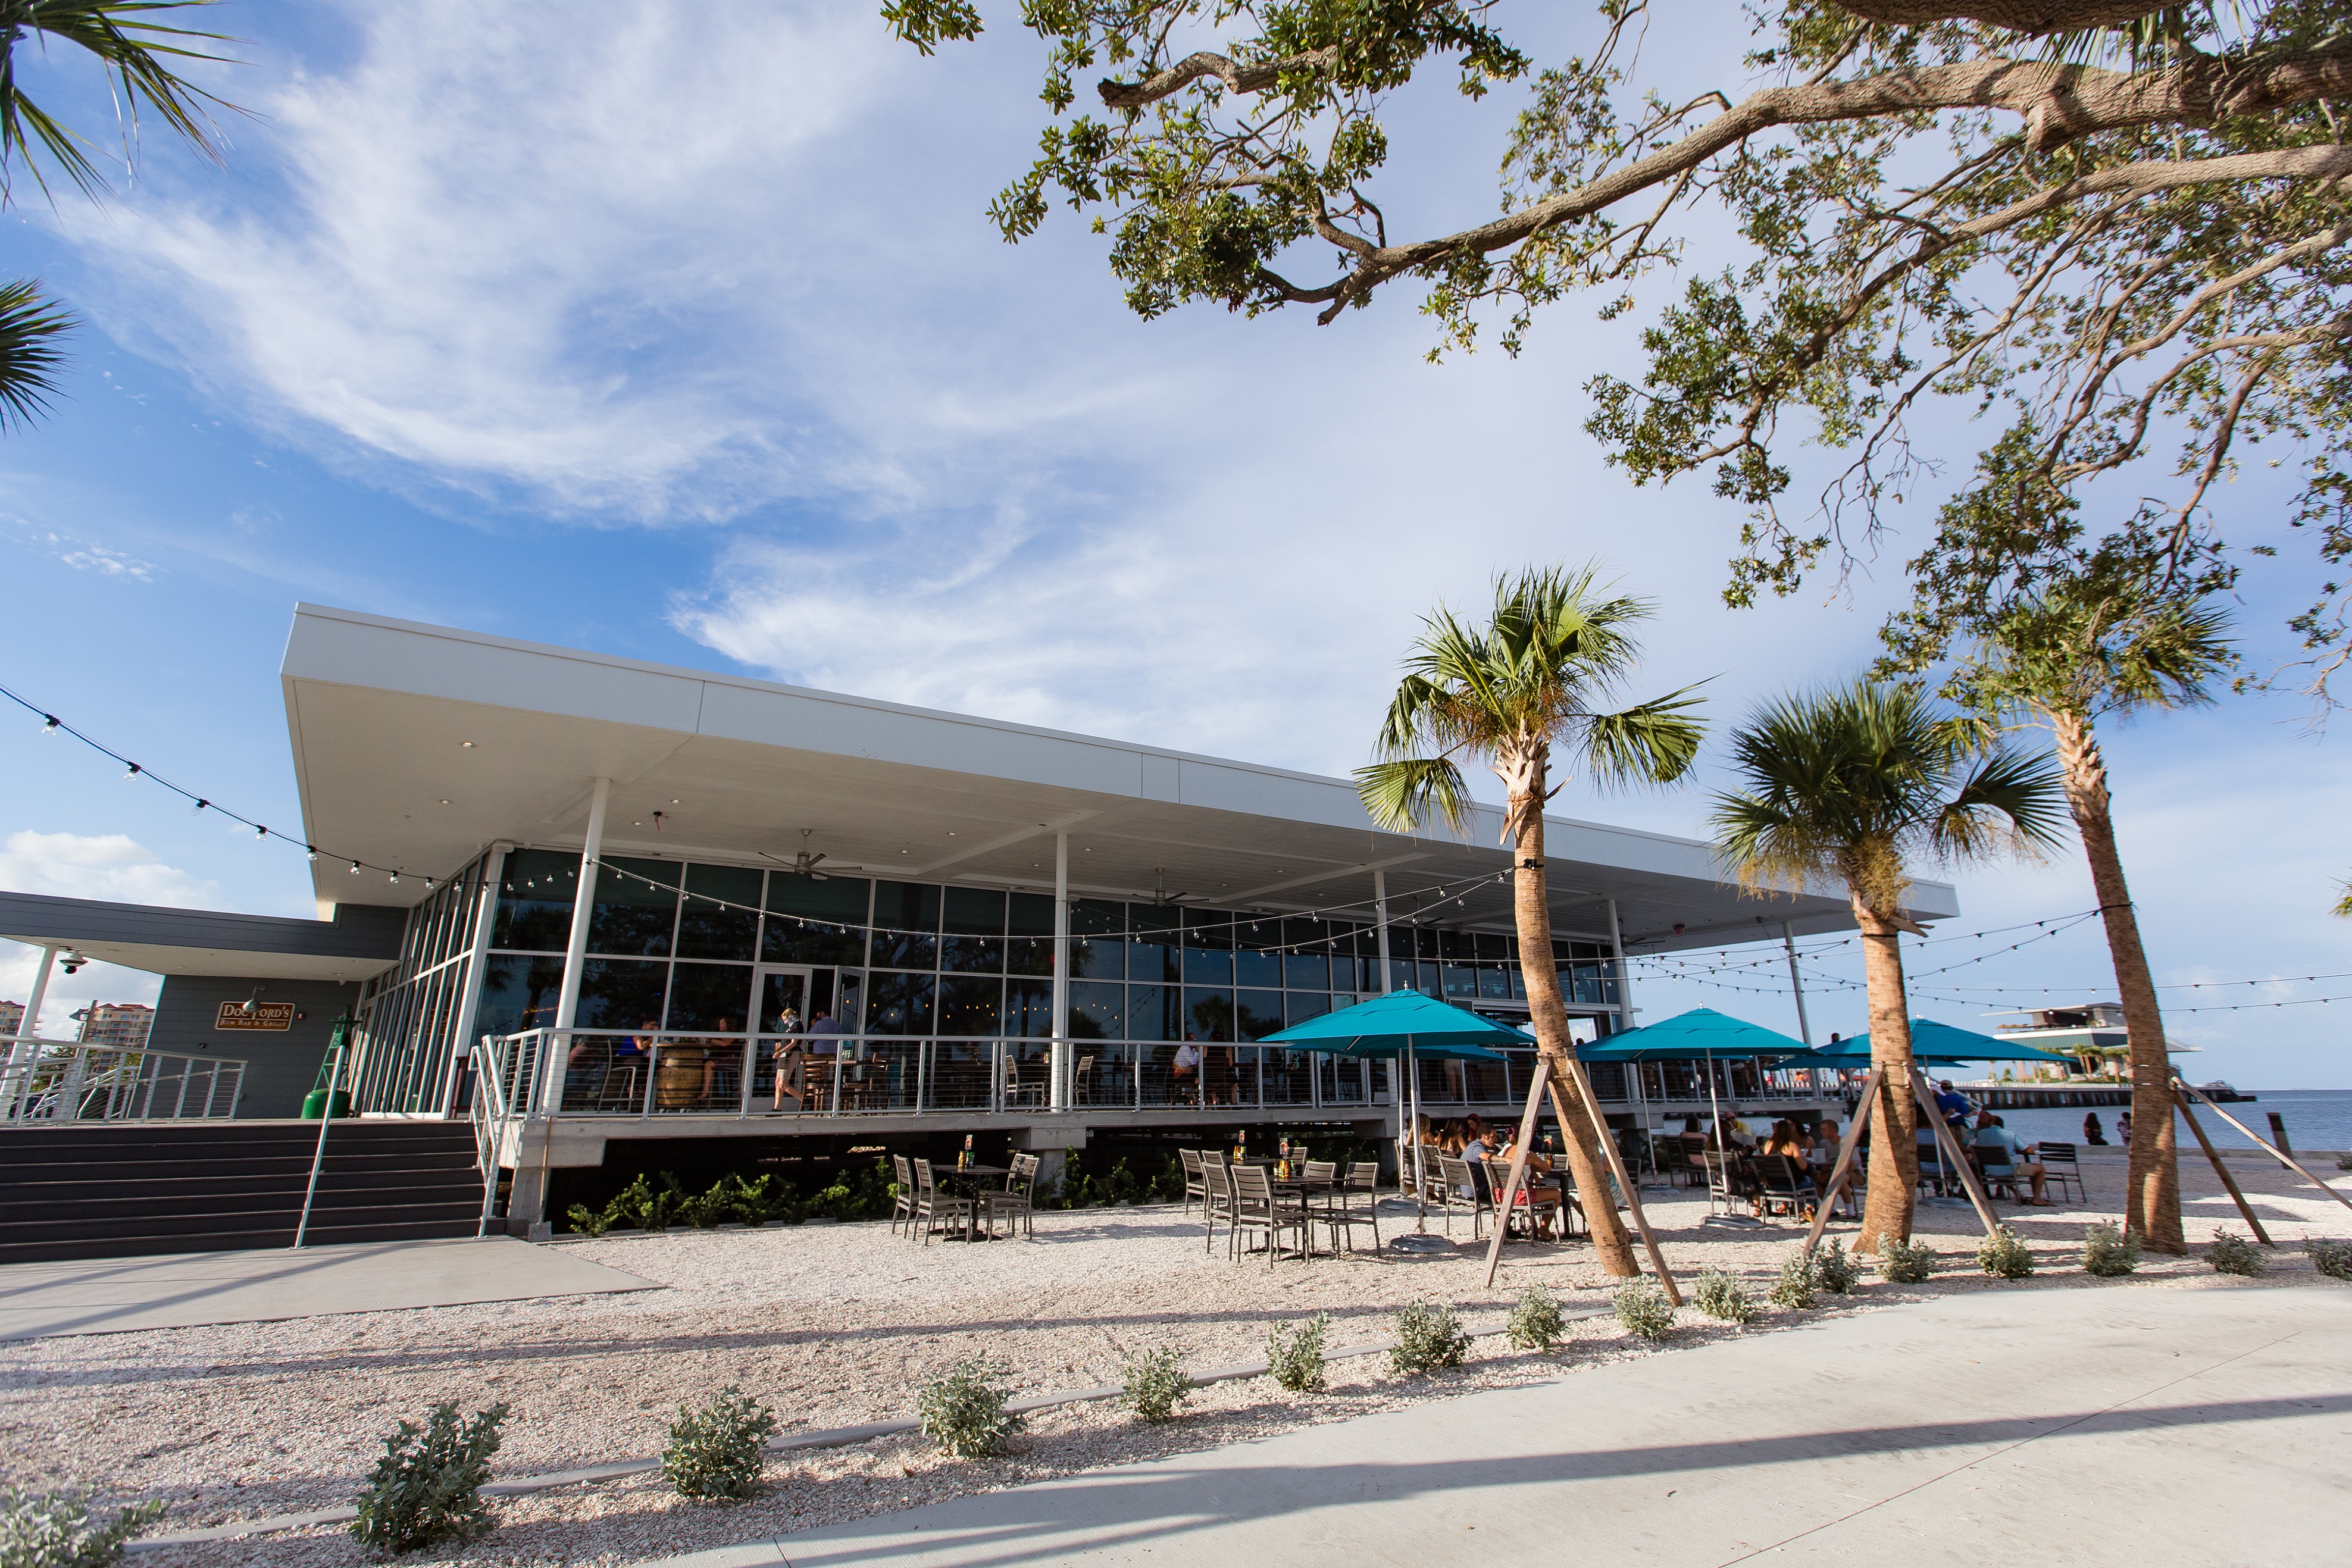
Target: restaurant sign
x: 265, y: 1015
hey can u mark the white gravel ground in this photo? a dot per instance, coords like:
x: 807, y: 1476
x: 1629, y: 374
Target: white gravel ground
x: 835, y: 1325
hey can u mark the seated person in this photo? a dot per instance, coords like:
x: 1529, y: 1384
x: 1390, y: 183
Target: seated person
x: 1475, y: 1152
x: 2005, y: 1159
x: 1542, y: 1198
x: 1184, y: 1072
x: 2092, y: 1132
x: 1954, y: 1107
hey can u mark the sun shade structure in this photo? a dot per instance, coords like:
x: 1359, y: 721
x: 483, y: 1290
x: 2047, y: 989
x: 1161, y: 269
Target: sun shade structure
x: 1398, y: 1022
x: 1698, y: 1034
x: 1933, y: 1042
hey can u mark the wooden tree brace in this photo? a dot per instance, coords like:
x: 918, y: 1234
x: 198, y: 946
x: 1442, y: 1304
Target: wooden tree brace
x: 2245, y: 1209
x: 1846, y: 1149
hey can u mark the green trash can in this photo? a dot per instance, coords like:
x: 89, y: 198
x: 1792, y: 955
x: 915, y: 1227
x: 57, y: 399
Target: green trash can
x: 316, y: 1104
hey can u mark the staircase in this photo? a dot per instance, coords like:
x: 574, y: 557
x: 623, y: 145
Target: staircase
x: 127, y: 1190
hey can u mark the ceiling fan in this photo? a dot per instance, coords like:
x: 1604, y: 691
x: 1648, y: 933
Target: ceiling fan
x: 805, y: 863
x: 1160, y: 896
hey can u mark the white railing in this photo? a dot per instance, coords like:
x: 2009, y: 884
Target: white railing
x: 61, y: 1080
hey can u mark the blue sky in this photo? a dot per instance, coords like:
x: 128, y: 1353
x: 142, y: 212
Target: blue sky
x: 681, y: 334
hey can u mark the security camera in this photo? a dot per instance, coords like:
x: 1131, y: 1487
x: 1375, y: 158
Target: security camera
x: 72, y: 962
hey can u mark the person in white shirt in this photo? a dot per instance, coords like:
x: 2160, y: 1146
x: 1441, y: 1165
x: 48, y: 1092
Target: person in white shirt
x: 1187, y: 1072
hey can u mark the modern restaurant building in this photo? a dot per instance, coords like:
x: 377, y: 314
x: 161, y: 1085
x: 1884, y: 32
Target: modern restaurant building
x: 1013, y: 932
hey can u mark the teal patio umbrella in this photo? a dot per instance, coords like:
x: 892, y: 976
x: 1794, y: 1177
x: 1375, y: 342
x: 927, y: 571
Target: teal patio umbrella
x: 1933, y: 1042
x: 1700, y: 1034
x: 1408, y: 1023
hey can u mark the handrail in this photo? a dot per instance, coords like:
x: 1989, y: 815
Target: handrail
x: 69, y: 1082
x: 488, y: 1113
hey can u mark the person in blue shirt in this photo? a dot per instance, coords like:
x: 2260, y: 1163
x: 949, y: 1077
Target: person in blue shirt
x: 2005, y: 1159
x: 1953, y: 1106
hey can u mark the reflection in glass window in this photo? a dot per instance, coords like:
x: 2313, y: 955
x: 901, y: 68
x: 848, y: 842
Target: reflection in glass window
x: 1028, y: 1010
x: 1208, y: 966
x: 1098, y: 917
x: 1097, y: 960
x: 518, y: 993
x: 1153, y: 961
x: 970, y: 1006
x: 1151, y: 1012
x: 1300, y: 1005
x: 836, y: 900
x: 1208, y: 1013
x: 621, y: 993
x: 636, y: 908
x: 1307, y: 972
x: 898, y: 1004
x: 973, y: 954
x: 1261, y: 969
x: 975, y: 912
x: 906, y: 905
x: 1208, y: 928
x: 905, y: 949
x: 724, y: 921
x: 1029, y: 955
x: 535, y: 900
x: 1031, y: 914
x: 714, y: 996
x: 788, y: 939
x: 1097, y: 1011
x: 1257, y: 1013
x: 1493, y: 982
x: 1461, y: 982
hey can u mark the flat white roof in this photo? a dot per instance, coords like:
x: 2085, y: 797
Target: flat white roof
x: 419, y: 746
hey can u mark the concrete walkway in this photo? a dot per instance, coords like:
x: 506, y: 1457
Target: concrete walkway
x: 2126, y: 1425
x: 185, y: 1290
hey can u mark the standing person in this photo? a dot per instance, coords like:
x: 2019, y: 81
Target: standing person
x: 792, y: 1067
x: 2123, y: 1128
x: 2094, y: 1133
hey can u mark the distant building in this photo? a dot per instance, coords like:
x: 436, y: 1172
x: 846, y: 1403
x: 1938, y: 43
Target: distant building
x: 2091, y: 1033
x: 11, y: 1018
x: 117, y: 1026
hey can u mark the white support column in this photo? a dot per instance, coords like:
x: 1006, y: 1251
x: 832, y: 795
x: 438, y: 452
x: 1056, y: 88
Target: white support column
x: 1381, y: 913
x: 1624, y: 980
x: 583, y: 907
x: 1060, y: 1095
x: 24, y: 1053
x: 1796, y: 984
x: 485, y: 909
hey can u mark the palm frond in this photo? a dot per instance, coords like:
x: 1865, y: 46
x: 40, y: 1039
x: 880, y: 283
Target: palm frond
x: 30, y: 329
x: 137, y: 54
x: 1402, y: 794
x: 2013, y: 797
x: 1654, y: 742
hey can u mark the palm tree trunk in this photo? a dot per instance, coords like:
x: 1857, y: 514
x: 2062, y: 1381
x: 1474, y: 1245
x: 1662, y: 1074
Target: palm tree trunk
x: 2152, y: 1198
x: 1894, y: 1125
x: 1611, y: 1244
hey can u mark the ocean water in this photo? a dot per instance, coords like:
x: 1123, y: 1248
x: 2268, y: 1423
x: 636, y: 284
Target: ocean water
x: 2317, y: 1119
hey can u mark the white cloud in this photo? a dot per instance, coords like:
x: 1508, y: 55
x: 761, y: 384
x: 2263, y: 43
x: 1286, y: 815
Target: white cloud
x: 88, y: 865
x: 506, y: 236
x: 82, y: 555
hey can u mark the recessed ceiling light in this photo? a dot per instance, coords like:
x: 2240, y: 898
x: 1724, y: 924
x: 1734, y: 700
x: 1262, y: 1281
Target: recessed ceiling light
x: 444, y: 802
x: 465, y: 745
x: 673, y: 800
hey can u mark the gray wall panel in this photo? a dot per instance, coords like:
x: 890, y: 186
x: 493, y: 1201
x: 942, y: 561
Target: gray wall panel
x: 280, y: 1068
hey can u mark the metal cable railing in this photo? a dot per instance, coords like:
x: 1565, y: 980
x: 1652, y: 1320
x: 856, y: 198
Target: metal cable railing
x: 61, y: 1080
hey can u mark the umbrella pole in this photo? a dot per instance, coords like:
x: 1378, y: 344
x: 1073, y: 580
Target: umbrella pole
x: 1714, y: 1126
x: 1420, y: 1180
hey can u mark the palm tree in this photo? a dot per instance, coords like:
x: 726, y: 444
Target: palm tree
x: 1511, y: 691
x: 137, y: 54
x: 2082, y: 650
x: 1851, y: 786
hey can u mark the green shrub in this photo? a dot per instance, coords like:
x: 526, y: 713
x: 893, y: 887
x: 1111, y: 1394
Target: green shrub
x: 1836, y: 1268
x: 54, y: 1529
x: 2109, y: 1251
x: 2330, y: 1257
x: 2343, y: 1161
x: 1722, y: 1297
x: 1297, y: 1362
x: 964, y: 1413
x: 2233, y: 1254
x: 1645, y: 1311
x: 1156, y: 1383
x: 2003, y: 1254
x: 1905, y: 1262
x: 715, y: 1452
x: 425, y: 1491
x: 1535, y: 1323
x: 1427, y: 1338
x: 1800, y: 1282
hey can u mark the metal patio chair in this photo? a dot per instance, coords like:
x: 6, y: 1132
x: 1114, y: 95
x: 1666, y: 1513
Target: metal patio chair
x: 1257, y: 1206
x: 2060, y: 1165
x: 902, y: 1205
x: 1017, y: 1201
x: 1196, y: 1183
x: 1355, y: 1201
x: 936, y: 1210
x: 1218, y: 1177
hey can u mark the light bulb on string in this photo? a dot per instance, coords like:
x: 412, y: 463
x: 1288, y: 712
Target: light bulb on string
x: 259, y: 831
x: 198, y: 808
x: 131, y: 771
x: 49, y: 724
x: 311, y: 853
x: 355, y: 868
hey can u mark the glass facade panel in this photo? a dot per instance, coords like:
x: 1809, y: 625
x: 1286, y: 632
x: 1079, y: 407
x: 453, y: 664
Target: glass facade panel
x: 1493, y: 982
x: 1030, y: 915
x: 1460, y: 983
x: 1257, y: 1013
x: 969, y: 1005
x: 906, y: 905
x: 791, y: 940
x: 1029, y: 954
x: 1028, y: 1010
x: 1152, y: 961
x: 898, y: 1004
x: 709, y: 997
x: 534, y: 913
x: 724, y: 922
x: 1097, y: 1011
x: 836, y: 900
x: 621, y: 993
x: 1151, y: 1012
x: 1208, y: 966
x: 1492, y: 947
x: 637, y: 908
x: 1097, y: 959
x: 1261, y: 969
x: 904, y: 949
x: 973, y: 954
x: 1299, y: 1005
x: 1208, y: 1013
x: 519, y: 992
x: 975, y: 912
x: 1211, y: 928
x: 1307, y: 972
